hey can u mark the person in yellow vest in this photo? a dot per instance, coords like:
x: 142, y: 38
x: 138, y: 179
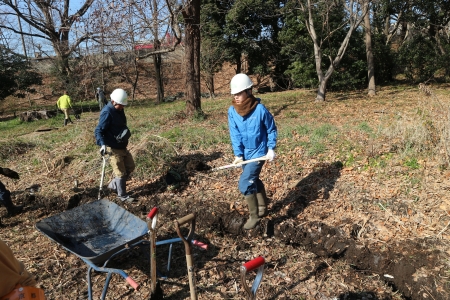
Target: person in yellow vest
x: 64, y: 104
x: 15, y: 281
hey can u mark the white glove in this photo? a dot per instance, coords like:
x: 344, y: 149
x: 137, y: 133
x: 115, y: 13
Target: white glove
x: 237, y: 160
x: 102, y: 150
x: 270, y: 155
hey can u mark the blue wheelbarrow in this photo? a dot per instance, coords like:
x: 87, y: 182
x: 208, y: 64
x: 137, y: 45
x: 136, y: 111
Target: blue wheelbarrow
x: 97, y: 232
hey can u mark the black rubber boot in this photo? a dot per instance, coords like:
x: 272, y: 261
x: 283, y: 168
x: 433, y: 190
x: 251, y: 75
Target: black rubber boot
x: 65, y: 122
x: 10, y: 207
x: 14, y: 210
x: 70, y: 120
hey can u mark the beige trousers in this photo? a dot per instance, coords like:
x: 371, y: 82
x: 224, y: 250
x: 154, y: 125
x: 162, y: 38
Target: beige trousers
x: 121, y: 161
x: 66, y: 113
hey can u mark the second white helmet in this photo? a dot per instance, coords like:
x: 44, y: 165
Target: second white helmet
x: 119, y: 96
x: 240, y: 82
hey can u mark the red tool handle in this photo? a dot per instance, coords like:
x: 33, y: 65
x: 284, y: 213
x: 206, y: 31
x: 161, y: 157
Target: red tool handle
x: 200, y: 244
x: 152, y: 213
x: 132, y: 283
x: 186, y: 219
x: 254, y: 263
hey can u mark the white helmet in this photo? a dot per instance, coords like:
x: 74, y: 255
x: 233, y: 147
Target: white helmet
x: 239, y: 83
x: 119, y: 96
x: 98, y: 89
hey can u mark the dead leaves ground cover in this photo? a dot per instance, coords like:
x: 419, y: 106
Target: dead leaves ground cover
x: 371, y: 171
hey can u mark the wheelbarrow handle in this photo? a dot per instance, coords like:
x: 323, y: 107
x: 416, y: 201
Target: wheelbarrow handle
x: 200, y: 244
x: 254, y: 263
x: 133, y: 283
x: 186, y: 219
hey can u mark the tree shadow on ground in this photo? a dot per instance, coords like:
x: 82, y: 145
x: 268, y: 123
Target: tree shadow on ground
x: 358, y: 296
x: 316, y: 186
x: 177, y: 176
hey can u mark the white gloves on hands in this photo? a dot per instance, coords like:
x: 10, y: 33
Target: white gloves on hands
x: 238, y: 160
x: 102, y: 150
x: 270, y: 155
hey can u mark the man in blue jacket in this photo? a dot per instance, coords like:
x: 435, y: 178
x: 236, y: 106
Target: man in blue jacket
x: 112, y: 136
x: 253, y: 134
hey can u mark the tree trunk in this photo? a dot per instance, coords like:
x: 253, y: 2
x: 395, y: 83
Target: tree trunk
x: 353, y: 23
x: 157, y: 62
x: 369, y: 54
x: 191, y: 15
x: 321, y: 92
x: 136, y: 79
x: 210, y: 84
x: 238, y: 64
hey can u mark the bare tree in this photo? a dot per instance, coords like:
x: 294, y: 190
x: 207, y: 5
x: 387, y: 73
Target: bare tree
x: 369, y: 54
x: 136, y: 30
x: 49, y: 20
x: 355, y: 13
x: 191, y: 15
x: 165, y: 31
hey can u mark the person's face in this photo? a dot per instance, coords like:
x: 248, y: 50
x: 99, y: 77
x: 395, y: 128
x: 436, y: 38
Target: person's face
x: 239, y: 97
x: 118, y: 106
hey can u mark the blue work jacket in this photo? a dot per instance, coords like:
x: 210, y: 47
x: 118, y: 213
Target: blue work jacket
x: 253, y: 134
x: 111, y: 123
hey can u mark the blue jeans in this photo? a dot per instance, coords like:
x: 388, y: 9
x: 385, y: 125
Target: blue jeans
x: 249, y: 182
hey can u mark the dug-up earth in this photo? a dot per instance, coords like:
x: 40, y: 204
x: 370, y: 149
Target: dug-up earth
x: 335, y: 230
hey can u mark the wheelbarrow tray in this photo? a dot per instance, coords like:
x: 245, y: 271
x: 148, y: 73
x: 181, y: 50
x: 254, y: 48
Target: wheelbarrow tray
x: 94, y: 231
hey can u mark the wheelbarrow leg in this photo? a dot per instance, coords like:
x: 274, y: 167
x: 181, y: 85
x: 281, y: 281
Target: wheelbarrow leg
x: 187, y: 244
x: 110, y: 271
x: 89, y: 282
x: 105, y: 287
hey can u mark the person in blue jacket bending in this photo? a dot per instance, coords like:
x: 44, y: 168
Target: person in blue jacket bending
x: 253, y: 134
x: 112, y: 135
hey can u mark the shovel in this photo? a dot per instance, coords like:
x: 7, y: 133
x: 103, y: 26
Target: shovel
x: 102, y: 176
x: 187, y: 245
x: 152, y: 218
x: 240, y: 164
x: 257, y: 263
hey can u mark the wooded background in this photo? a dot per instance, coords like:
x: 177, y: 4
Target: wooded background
x: 327, y: 44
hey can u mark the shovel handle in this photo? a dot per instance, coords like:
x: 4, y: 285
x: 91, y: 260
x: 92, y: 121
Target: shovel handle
x: 186, y: 219
x: 152, y: 213
x: 133, y: 283
x: 254, y: 263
